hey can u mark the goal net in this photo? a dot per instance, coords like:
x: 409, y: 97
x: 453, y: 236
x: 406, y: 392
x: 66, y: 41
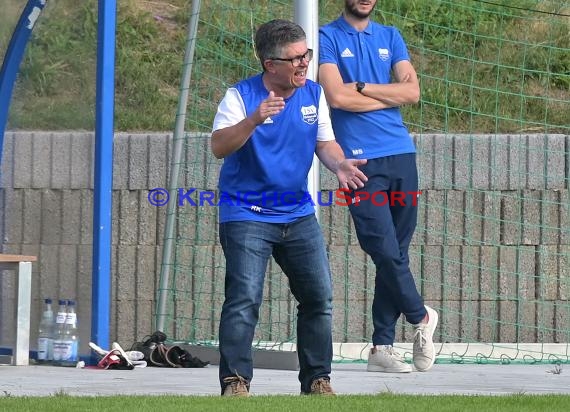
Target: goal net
x: 491, y: 251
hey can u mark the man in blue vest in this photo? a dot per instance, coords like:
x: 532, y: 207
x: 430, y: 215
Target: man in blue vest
x: 267, y: 130
x: 358, y: 58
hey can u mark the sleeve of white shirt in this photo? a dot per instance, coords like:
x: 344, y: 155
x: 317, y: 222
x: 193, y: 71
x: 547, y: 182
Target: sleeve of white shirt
x: 325, y: 132
x: 231, y: 110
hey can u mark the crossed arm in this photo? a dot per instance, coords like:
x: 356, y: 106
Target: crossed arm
x: 340, y: 95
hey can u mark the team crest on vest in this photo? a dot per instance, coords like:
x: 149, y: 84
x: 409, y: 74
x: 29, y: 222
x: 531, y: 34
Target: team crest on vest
x: 384, y: 54
x: 309, y: 114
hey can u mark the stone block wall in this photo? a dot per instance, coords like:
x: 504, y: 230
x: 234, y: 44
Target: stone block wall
x: 492, y: 241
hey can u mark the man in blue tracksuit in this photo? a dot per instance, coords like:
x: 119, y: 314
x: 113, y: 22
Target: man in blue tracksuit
x: 267, y: 129
x: 358, y: 59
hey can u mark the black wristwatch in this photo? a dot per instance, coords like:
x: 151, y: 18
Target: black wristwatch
x: 360, y: 86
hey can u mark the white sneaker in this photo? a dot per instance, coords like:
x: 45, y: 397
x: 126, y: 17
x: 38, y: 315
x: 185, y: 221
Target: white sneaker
x: 131, y: 355
x: 117, y: 347
x: 98, y: 349
x: 383, y: 358
x: 424, y: 349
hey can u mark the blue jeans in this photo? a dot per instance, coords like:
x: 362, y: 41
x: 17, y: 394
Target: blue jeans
x: 384, y: 232
x: 299, y: 249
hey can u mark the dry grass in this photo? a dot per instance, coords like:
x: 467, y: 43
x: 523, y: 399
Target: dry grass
x: 9, y: 16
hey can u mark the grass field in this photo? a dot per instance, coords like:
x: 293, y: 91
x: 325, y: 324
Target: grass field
x: 471, y: 80
x: 380, y: 403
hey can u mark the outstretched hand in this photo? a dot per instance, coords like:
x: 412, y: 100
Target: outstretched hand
x: 349, y: 175
x: 269, y: 107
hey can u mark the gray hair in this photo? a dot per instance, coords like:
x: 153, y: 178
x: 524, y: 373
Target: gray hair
x: 272, y: 36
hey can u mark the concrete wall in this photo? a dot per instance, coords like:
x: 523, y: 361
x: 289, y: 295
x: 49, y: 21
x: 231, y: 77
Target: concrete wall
x: 46, y: 204
x: 492, y: 241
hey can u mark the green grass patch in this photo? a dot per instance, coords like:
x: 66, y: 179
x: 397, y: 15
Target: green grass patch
x: 480, y: 71
x: 384, y: 403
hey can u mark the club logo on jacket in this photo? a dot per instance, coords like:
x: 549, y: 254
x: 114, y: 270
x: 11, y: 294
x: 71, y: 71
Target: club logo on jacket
x: 384, y: 54
x: 309, y: 114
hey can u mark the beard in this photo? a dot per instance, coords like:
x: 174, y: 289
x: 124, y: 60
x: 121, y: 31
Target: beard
x: 351, y: 8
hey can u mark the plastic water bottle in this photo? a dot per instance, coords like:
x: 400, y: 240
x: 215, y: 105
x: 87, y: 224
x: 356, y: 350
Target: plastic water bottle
x: 58, y: 335
x: 70, y: 341
x: 46, y: 334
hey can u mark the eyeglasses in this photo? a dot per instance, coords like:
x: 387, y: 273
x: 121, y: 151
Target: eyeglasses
x: 296, y: 61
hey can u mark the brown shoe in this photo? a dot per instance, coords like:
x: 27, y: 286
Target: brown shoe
x: 235, y: 386
x: 321, y: 386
